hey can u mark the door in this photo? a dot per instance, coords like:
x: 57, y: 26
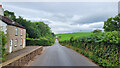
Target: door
x: 24, y: 43
x: 11, y: 44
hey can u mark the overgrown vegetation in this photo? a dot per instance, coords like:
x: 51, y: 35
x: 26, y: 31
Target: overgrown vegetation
x: 2, y: 46
x: 102, y: 48
x: 35, y: 30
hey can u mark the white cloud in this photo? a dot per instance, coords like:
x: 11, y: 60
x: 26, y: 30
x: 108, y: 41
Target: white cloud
x: 60, y: 27
x: 76, y: 17
x: 27, y: 12
x: 96, y: 25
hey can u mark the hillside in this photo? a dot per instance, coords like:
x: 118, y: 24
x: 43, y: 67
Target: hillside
x: 67, y: 36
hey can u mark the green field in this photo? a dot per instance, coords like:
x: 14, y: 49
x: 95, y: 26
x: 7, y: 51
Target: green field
x: 67, y: 36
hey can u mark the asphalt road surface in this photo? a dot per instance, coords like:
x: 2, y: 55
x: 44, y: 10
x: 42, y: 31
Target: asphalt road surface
x: 57, y: 55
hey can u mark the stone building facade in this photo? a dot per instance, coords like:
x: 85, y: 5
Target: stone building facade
x: 16, y: 34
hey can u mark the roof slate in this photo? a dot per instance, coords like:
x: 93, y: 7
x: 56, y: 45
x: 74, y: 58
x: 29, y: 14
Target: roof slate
x: 10, y: 22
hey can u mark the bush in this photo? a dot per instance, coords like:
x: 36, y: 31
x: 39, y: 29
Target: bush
x: 97, y: 31
x: 40, y: 42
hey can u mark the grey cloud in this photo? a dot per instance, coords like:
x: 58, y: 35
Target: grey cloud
x: 96, y: 26
x: 93, y: 18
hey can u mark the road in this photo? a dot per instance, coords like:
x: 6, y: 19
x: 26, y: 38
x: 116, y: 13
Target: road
x: 57, y: 55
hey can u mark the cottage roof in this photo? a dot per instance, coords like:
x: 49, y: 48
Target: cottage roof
x: 10, y: 22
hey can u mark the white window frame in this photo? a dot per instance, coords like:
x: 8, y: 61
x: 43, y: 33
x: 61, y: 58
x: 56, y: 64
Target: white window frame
x: 16, y: 42
x: 16, y: 31
x: 21, y: 42
x: 24, y: 43
x: 10, y: 42
x: 21, y: 32
x: 11, y: 45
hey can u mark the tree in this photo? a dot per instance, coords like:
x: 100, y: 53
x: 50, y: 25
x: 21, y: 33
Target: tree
x: 11, y: 15
x: 97, y: 31
x: 112, y: 24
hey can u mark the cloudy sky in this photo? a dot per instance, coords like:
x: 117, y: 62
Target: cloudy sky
x: 64, y: 17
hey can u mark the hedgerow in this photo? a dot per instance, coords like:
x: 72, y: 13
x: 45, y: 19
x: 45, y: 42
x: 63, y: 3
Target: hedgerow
x: 103, y: 48
x: 40, y: 42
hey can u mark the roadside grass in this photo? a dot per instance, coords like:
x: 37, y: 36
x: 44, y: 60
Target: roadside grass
x: 67, y: 36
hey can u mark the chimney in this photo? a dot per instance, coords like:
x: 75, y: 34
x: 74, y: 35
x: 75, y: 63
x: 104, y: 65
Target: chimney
x: 1, y: 10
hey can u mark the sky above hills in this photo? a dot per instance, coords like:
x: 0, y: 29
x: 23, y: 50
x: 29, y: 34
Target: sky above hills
x: 64, y: 17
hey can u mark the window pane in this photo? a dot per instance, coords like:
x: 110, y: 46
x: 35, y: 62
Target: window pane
x: 21, y: 32
x: 15, y: 42
x: 21, y: 42
x: 16, y: 31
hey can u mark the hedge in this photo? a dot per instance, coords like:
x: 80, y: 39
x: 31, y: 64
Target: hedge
x: 39, y: 42
x: 105, y: 47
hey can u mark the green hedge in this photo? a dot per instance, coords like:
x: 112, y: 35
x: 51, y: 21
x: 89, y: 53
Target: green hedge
x: 105, y: 47
x: 40, y: 42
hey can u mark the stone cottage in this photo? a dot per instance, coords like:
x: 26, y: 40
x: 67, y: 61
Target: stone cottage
x: 16, y: 34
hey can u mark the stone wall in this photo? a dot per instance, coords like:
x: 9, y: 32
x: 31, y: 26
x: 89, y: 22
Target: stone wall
x: 22, y: 59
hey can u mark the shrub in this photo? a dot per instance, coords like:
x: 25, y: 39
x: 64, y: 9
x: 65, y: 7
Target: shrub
x: 97, y: 31
x: 40, y: 42
x: 2, y: 46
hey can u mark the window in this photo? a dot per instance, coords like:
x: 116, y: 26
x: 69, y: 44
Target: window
x: 10, y: 42
x: 16, y: 42
x: 16, y: 31
x: 10, y: 47
x: 21, y: 42
x: 21, y: 32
